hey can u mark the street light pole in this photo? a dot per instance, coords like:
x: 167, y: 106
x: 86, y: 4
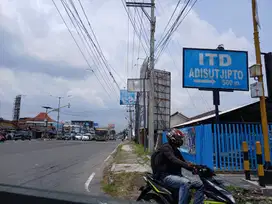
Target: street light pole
x: 58, y: 116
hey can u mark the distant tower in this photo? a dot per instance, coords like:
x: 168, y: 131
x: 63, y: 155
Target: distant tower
x: 17, y: 108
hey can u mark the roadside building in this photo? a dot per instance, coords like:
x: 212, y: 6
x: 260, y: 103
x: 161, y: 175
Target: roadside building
x: 38, y: 125
x: 177, y: 118
x: 219, y: 145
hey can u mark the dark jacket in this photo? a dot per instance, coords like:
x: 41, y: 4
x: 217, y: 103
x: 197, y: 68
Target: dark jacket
x: 167, y: 161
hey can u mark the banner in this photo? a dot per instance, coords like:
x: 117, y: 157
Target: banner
x: 189, y: 145
x: 127, y: 98
x: 111, y: 126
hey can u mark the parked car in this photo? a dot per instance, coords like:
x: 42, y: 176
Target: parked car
x: 90, y: 135
x: 60, y: 137
x: 23, y: 135
x: 78, y: 136
x: 10, y: 135
x: 67, y: 137
x: 85, y: 137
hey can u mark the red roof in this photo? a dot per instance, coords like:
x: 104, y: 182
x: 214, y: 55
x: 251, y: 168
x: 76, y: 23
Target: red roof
x: 42, y: 116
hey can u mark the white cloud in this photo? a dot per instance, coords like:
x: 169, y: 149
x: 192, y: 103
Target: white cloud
x: 39, y: 27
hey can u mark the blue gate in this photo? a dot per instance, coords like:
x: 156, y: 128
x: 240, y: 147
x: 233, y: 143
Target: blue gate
x: 220, y: 146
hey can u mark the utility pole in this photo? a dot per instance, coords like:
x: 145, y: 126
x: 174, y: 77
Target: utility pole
x: 260, y: 79
x: 130, y: 123
x: 151, y: 77
x: 152, y: 20
x: 145, y: 139
x: 58, y: 116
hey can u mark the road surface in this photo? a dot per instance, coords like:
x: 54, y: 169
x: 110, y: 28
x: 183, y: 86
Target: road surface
x: 66, y: 166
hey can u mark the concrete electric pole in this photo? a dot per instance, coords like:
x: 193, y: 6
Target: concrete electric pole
x: 152, y: 20
x: 58, y: 116
x: 151, y: 77
x: 130, y: 123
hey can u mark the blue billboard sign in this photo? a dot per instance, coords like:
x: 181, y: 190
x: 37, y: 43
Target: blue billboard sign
x: 127, y: 97
x: 215, y: 69
x: 95, y: 124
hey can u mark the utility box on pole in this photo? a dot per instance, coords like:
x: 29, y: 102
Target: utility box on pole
x: 256, y: 89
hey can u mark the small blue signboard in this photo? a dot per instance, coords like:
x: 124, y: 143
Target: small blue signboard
x: 215, y: 69
x: 95, y: 124
x: 127, y: 97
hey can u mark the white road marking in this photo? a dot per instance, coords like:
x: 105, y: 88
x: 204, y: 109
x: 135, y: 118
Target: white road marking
x: 115, y: 149
x: 87, y: 183
x: 107, y: 158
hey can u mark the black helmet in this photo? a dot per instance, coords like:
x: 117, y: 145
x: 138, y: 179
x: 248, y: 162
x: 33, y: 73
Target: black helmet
x: 175, y: 137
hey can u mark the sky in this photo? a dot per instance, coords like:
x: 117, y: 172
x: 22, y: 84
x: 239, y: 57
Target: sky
x: 40, y: 60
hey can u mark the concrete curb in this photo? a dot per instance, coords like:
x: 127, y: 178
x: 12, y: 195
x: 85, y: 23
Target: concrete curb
x: 267, y: 191
x: 111, y: 156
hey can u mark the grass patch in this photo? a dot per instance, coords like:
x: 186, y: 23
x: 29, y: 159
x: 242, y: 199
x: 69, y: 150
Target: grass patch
x: 118, y: 157
x: 123, y: 185
x: 139, y: 150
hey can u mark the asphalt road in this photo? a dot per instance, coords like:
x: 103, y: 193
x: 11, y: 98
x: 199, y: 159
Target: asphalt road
x: 66, y: 166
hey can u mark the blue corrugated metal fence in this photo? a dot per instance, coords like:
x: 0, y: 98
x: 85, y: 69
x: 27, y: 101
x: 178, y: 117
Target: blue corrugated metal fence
x: 227, y: 145
x: 220, y: 146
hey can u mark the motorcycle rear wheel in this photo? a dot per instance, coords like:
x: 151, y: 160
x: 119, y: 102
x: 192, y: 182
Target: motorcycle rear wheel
x: 152, y: 198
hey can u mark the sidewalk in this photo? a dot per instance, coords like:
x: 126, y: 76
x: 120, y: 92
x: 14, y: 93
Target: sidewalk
x: 123, y: 177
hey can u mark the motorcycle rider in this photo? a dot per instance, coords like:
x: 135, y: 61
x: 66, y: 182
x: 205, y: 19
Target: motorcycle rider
x: 166, y: 164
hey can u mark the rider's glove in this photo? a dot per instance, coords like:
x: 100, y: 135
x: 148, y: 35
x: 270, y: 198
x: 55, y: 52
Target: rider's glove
x: 195, y: 171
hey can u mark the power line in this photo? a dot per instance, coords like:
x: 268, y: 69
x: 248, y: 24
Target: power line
x: 202, y: 97
x: 128, y: 48
x: 133, y: 42
x: 79, y: 46
x: 171, y: 30
x: 134, y: 27
x: 142, y: 25
x: 141, y: 28
x: 86, y: 17
x: 97, y: 51
x: 66, y: 6
x: 168, y: 22
x: 175, y: 28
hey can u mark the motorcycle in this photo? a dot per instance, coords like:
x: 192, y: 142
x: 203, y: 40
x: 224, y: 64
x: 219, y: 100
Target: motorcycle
x: 214, y: 190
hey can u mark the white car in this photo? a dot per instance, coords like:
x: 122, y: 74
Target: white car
x: 91, y: 135
x: 85, y: 137
x: 78, y: 136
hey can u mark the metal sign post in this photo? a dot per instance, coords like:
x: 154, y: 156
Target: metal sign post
x: 215, y: 70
